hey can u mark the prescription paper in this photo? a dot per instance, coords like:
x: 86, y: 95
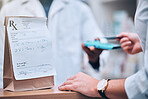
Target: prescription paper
x: 31, y: 48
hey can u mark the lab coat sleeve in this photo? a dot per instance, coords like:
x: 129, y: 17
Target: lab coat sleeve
x: 1, y: 46
x: 2, y: 36
x: 136, y: 86
x: 3, y: 13
x: 1, y: 54
x: 90, y: 31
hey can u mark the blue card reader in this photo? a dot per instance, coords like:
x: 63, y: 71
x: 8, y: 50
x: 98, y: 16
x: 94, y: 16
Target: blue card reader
x: 99, y: 45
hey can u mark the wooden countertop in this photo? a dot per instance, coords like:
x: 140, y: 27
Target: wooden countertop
x: 53, y: 93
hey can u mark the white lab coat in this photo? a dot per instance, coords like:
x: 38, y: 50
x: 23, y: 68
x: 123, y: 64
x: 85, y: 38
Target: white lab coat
x: 1, y: 52
x: 70, y: 23
x: 137, y: 85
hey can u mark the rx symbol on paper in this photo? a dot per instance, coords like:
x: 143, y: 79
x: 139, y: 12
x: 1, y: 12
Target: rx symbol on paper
x: 13, y: 25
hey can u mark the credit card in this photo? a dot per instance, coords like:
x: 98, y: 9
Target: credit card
x: 111, y: 38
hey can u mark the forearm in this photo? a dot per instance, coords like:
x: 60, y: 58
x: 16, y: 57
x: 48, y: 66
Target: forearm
x: 116, y: 90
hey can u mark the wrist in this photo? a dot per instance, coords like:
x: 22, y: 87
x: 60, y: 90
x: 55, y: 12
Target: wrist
x: 95, y: 64
x: 95, y: 90
x: 96, y: 93
x: 102, y: 86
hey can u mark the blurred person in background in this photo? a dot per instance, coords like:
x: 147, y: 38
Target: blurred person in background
x: 70, y: 23
x: 1, y: 52
x: 133, y: 87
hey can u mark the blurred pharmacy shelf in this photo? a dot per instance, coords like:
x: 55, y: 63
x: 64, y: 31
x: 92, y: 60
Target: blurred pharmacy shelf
x: 114, y: 17
x: 115, y: 5
x: 109, y: 1
x: 105, y: 11
x: 0, y: 4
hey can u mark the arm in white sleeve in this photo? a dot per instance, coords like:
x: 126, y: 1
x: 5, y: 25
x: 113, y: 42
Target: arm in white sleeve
x: 1, y: 53
x: 3, y: 13
x: 136, y: 86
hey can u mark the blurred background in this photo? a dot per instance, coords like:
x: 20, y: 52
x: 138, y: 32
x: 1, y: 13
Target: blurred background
x: 114, y: 17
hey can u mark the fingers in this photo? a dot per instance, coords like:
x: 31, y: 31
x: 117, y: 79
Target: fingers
x: 89, y: 51
x: 68, y: 82
x: 95, y: 50
x: 125, y: 39
x: 86, y: 49
x: 127, y: 48
x: 123, y: 35
x: 66, y: 87
x: 124, y: 44
x: 71, y: 78
x: 92, y: 48
x: 97, y: 39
